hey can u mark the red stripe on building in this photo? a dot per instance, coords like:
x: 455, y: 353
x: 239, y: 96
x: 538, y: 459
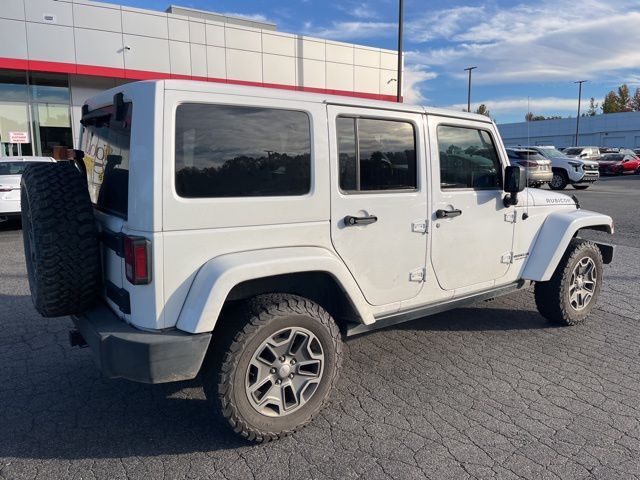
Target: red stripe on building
x: 96, y: 71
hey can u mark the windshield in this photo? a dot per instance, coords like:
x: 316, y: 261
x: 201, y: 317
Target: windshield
x: 573, y: 151
x: 552, y: 153
x: 106, y: 143
x: 15, y: 168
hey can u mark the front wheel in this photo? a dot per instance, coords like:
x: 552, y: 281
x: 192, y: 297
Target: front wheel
x: 559, y: 180
x: 572, y: 292
x: 276, y: 366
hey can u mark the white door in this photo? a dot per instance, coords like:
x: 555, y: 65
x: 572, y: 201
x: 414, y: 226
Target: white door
x: 379, y: 201
x: 472, y: 230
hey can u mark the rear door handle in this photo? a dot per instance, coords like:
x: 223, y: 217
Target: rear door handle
x: 350, y: 221
x: 448, y: 213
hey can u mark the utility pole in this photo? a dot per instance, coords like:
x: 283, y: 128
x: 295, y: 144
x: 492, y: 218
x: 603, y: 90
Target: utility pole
x: 469, y: 88
x: 579, y: 82
x: 400, y: 25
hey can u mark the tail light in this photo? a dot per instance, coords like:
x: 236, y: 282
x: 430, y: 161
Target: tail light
x: 137, y: 260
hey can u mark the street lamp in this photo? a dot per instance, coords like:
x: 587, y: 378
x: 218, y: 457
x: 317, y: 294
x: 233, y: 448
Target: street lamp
x: 579, y: 82
x: 469, y: 88
x: 400, y: 25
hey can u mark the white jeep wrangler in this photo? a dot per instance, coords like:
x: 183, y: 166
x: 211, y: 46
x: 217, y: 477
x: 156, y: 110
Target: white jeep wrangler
x: 239, y: 233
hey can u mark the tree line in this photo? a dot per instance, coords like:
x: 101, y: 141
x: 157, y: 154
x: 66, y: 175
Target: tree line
x: 614, y: 102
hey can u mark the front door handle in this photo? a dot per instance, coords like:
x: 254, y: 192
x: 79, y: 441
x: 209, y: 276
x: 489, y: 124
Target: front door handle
x: 448, y: 213
x: 350, y: 221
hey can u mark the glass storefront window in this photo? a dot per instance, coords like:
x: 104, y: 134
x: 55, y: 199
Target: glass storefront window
x: 49, y: 87
x: 37, y: 104
x: 13, y: 86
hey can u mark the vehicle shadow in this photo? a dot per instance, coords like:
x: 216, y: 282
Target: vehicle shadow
x: 478, y: 319
x: 10, y: 225
x: 55, y: 405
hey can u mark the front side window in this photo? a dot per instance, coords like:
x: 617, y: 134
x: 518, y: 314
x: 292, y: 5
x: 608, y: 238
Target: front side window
x: 237, y: 151
x: 468, y: 159
x: 376, y: 154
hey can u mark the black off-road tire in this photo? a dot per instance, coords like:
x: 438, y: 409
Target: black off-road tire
x: 243, y: 331
x: 580, y: 187
x: 60, y: 239
x: 552, y: 297
x: 559, y: 180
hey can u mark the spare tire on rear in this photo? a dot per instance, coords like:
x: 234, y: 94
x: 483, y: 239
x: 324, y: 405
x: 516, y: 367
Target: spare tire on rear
x: 60, y: 239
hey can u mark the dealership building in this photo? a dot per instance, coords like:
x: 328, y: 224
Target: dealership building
x: 610, y: 130
x: 54, y: 54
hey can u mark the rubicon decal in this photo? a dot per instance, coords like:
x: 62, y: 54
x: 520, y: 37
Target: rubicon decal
x: 560, y: 200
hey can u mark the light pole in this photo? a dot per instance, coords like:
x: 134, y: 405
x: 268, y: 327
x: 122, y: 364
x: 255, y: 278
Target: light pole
x: 400, y: 25
x: 579, y: 82
x: 469, y: 88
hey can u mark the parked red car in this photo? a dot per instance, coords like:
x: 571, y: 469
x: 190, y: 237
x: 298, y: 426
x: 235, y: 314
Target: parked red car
x: 618, y: 164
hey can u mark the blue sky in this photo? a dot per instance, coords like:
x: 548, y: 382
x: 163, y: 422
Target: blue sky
x: 534, y: 49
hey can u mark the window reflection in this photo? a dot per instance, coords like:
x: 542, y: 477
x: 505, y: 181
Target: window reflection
x: 386, y: 158
x: 468, y: 159
x: 228, y: 151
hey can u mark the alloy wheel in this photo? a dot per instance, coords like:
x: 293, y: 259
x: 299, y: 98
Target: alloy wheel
x: 582, y: 283
x: 284, y: 372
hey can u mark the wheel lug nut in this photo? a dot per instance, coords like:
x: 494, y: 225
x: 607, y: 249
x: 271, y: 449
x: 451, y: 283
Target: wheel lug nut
x: 278, y: 382
x: 291, y: 375
x: 293, y: 361
x: 281, y: 359
x: 273, y: 370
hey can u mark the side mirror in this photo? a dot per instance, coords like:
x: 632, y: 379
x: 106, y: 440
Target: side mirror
x: 514, y: 182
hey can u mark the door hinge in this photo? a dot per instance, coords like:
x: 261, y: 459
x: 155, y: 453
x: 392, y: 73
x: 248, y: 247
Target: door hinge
x: 507, y: 257
x: 420, y: 226
x: 510, y: 217
x: 416, y: 275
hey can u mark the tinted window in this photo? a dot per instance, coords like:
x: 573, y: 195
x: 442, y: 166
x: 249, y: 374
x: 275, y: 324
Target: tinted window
x: 106, y: 144
x: 231, y: 151
x: 376, y: 154
x: 468, y: 159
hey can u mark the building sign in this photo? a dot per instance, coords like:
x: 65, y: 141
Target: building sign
x: 18, y: 137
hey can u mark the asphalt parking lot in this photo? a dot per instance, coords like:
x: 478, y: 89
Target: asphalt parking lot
x: 490, y: 391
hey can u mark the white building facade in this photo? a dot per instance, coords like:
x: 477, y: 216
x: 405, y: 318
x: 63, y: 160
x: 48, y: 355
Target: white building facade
x: 610, y: 130
x: 54, y: 54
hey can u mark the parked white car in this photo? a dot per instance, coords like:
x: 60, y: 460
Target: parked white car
x: 239, y: 233
x: 11, y: 169
x: 575, y: 171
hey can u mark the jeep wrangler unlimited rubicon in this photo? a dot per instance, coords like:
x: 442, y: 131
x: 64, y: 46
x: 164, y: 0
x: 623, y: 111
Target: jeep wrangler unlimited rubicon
x: 238, y: 233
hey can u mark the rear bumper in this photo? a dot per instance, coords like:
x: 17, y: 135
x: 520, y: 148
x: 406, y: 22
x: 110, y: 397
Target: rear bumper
x: 537, y: 177
x: 122, y: 351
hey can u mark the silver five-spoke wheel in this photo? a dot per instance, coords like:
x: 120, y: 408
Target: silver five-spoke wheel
x: 582, y: 284
x: 284, y: 372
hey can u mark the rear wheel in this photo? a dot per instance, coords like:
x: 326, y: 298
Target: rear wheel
x: 572, y: 292
x: 274, y: 371
x: 559, y: 180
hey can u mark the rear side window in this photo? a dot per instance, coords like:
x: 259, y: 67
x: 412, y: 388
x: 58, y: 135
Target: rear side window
x: 233, y: 151
x: 468, y: 159
x: 376, y: 154
x: 106, y: 144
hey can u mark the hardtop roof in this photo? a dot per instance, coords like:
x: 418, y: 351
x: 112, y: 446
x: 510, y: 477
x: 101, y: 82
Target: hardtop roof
x: 105, y: 98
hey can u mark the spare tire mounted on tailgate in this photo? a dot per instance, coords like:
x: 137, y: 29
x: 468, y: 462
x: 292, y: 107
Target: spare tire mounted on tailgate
x: 60, y: 239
